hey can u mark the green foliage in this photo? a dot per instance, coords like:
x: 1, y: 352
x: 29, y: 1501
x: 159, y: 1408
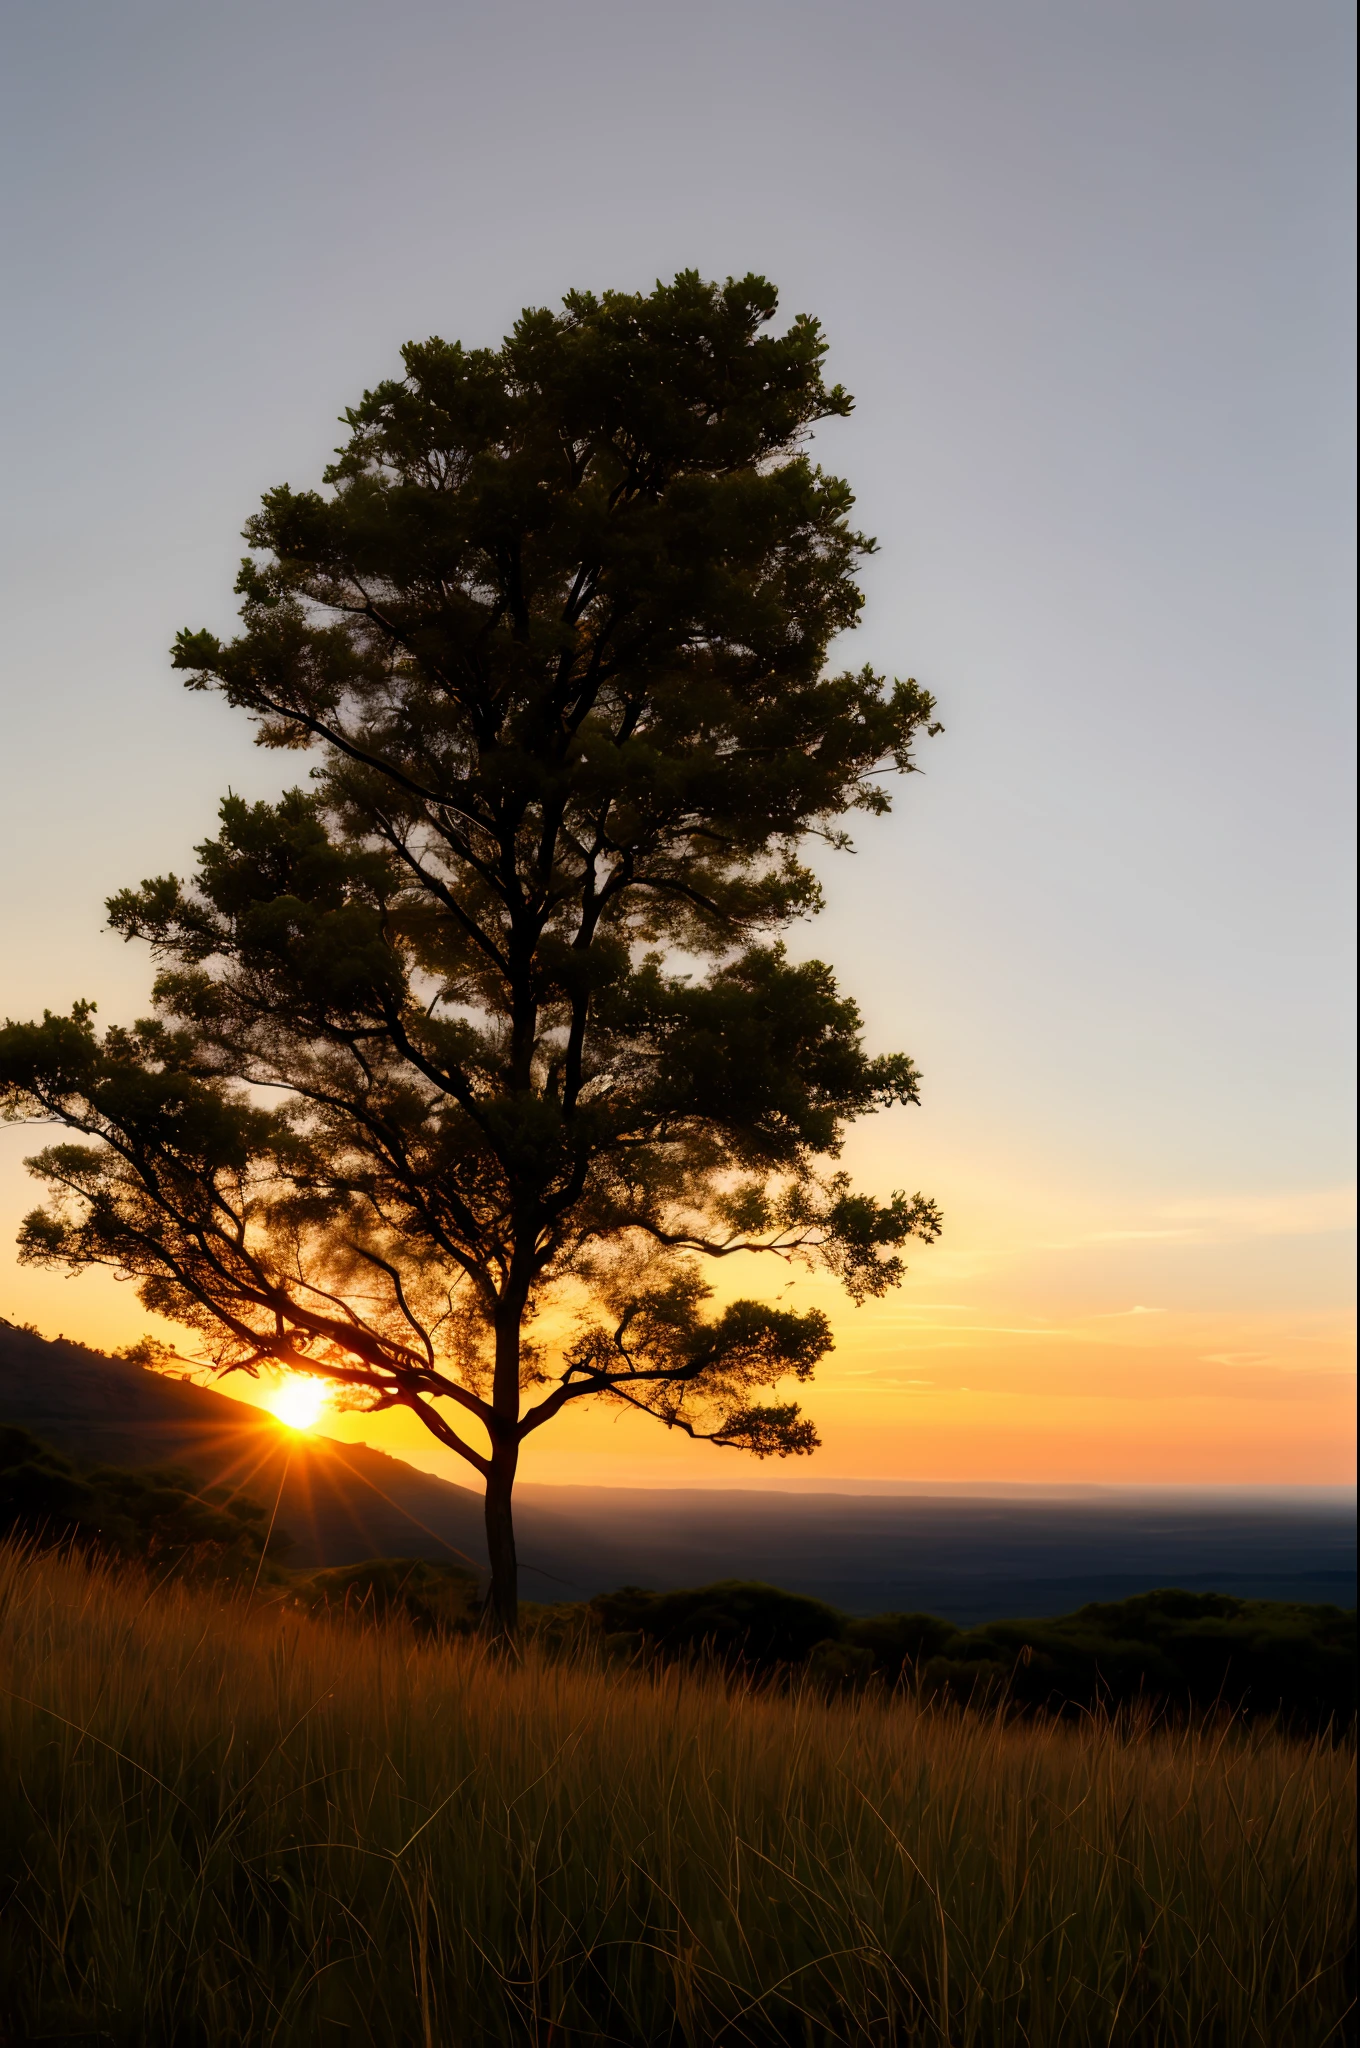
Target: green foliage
x: 233, y: 1826
x: 159, y: 1516
x: 494, y: 1014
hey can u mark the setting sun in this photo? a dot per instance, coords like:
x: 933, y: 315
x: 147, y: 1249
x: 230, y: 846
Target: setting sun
x: 299, y: 1402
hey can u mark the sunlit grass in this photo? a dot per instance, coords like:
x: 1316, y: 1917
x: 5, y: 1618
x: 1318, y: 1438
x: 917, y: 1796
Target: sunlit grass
x: 229, y: 1823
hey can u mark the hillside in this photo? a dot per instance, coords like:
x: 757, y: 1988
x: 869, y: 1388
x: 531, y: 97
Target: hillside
x: 339, y: 1502
x: 971, y: 1559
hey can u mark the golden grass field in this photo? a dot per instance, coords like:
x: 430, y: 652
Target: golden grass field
x: 225, y: 1822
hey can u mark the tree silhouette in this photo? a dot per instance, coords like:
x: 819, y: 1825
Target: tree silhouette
x: 468, y: 1054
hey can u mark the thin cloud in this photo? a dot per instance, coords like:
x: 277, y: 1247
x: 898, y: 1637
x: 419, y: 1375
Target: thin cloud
x: 1110, y: 1315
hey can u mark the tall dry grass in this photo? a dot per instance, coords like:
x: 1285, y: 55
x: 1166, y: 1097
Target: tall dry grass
x: 227, y: 1823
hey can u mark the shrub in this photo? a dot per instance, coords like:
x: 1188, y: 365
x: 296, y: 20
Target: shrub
x: 436, y: 1598
x: 735, y: 1621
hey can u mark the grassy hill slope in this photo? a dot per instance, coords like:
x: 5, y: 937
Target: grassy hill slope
x: 240, y: 1825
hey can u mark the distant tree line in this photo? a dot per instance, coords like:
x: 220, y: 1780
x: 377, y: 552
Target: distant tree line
x: 1169, y: 1648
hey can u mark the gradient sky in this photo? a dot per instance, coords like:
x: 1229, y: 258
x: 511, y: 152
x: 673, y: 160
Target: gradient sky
x: 1086, y: 265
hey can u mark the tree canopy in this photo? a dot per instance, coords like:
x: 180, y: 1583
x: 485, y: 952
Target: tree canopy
x: 466, y: 1054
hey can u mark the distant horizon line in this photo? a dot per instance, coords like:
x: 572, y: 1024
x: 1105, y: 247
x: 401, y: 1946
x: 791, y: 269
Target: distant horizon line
x: 975, y: 1489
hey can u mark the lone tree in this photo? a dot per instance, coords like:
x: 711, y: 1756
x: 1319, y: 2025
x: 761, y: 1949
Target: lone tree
x: 467, y: 1054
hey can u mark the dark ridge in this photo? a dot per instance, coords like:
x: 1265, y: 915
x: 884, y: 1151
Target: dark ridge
x: 340, y: 1503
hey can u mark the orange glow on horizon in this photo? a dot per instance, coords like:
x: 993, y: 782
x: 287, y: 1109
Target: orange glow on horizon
x: 1183, y: 1342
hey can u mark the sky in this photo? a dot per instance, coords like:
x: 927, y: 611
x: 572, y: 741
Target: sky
x: 1087, y: 267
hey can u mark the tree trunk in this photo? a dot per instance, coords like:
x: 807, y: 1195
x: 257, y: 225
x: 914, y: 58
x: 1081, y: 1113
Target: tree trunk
x: 502, y: 1612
